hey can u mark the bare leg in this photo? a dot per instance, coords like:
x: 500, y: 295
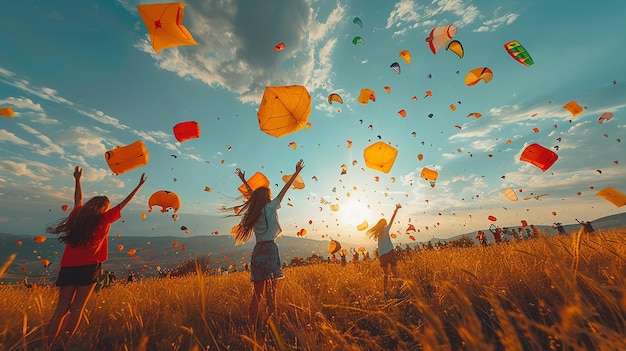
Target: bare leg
x: 66, y: 295
x: 253, y: 315
x: 77, y: 307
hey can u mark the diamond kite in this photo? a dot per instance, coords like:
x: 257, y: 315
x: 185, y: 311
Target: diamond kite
x: 165, y: 25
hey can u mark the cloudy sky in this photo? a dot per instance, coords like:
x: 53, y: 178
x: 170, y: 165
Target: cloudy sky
x: 83, y: 78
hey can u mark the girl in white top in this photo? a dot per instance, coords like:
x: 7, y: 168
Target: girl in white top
x: 259, y: 215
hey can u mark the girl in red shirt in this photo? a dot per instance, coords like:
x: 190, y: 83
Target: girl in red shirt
x: 84, y: 233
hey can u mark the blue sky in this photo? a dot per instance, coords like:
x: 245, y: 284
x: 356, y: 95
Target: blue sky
x: 83, y: 78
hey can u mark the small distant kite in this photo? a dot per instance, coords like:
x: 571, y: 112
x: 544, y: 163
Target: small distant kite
x: 334, y: 97
x: 406, y: 55
x: 358, y: 22
x: 517, y: 51
x: 477, y: 74
x: 358, y: 40
x: 279, y: 47
x: 456, y: 47
x: 396, y: 67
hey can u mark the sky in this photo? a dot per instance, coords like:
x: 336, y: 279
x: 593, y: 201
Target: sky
x: 83, y: 78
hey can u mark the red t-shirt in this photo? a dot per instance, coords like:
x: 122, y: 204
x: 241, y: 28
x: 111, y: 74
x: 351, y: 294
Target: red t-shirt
x: 97, y: 250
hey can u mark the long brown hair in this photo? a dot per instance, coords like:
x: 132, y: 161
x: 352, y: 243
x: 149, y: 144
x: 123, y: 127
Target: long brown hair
x: 374, y: 232
x: 250, y: 212
x: 79, y: 228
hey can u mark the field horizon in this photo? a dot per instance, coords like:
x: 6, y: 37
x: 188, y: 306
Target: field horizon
x: 563, y: 292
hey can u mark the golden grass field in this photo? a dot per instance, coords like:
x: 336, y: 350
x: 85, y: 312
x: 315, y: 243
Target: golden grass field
x: 557, y: 293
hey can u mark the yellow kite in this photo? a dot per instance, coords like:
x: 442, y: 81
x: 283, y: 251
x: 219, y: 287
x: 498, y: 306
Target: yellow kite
x: 284, y: 109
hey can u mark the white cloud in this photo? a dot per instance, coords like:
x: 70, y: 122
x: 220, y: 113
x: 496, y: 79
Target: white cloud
x: 236, y: 41
x: 23, y: 170
x: 51, y: 147
x: 10, y: 137
x: 495, y: 23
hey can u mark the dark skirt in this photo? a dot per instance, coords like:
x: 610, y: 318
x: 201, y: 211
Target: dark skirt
x: 265, y: 262
x: 389, y: 258
x: 79, y: 275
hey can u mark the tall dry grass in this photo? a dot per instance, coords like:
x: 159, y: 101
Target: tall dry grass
x: 559, y: 293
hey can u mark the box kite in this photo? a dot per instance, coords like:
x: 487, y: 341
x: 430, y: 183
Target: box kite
x: 186, y: 130
x: 7, y: 112
x: 539, y: 156
x: 430, y: 175
x: 256, y: 181
x: 165, y: 25
x: 613, y: 195
x: 124, y: 158
x: 165, y: 199
x: 380, y: 156
x: 284, y: 109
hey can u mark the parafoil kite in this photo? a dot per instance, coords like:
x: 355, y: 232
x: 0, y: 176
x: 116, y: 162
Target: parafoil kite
x: 279, y: 47
x: 402, y: 113
x: 298, y: 183
x: 334, y: 207
x: 406, y: 56
x: 475, y: 114
x: 165, y: 25
x: 284, y: 109
x: 334, y: 247
x: 396, y: 67
x: 615, y: 196
x: 186, y: 130
x: 7, y: 112
x: 358, y: 21
x: 165, y: 199
x: 358, y: 40
x: 477, y: 74
x: 517, y: 51
x: 492, y: 218
x: 293, y: 145
x: 430, y: 175
x: 420, y: 157
x: 366, y: 95
x: 539, y: 156
x: 334, y: 97
x: 380, y: 156
x: 510, y: 194
x: 45, y: 263
x: 439, y: 36
x: 387, y: 89
x: 456, y: 47
x: 605, y: 117
x: 125, y: 158
x: 257, y: 180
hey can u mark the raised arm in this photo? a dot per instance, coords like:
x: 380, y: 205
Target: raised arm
x: 132, y: 193
x: 283, y: 191
x: 78, y: 190
x: 398, y: 206
x: 242, y: 176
